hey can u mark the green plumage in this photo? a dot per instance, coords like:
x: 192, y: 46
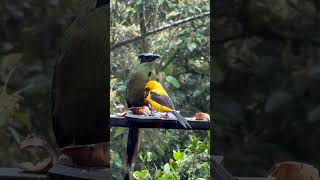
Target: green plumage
x: 80, y: 80
x: 136, y: 84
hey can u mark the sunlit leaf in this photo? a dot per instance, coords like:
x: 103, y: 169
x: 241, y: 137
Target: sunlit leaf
x: 177, y: 155
x: 166, y: 168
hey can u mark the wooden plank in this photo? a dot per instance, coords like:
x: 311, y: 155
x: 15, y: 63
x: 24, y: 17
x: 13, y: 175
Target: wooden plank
x: 151, y: 122
x: 15, y: 173
x: 63, y: 172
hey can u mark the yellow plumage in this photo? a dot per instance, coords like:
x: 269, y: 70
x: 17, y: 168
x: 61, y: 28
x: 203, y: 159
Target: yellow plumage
x: 156, y: 105
x: 159, y: 99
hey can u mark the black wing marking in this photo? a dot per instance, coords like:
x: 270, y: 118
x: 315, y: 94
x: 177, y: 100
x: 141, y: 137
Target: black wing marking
x: 148, y: 57
x: 162, y: 100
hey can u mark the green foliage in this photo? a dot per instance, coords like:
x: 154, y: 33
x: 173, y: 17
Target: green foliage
x: 190, y: 163
x: 141, y: 175
x: 266, y: 80
x: 172, y: 80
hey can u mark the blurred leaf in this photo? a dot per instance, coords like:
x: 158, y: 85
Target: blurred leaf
x: 161, y: 76
x: 118, y: 131
x: 141, y: 175
x: 169, y: 69
x: 191, y: 46
x: 149, y: 156
x: 10, y: 60
x: 174, y: 165
x: 172, y: 80
x: 164, y: 177
x: 23, y: 118
x: 166, y: 168
x: 196, y: 93
x: 122, y: 88
x: 38, y: 84
x: 202, y: 147
x: 172, y: 14
x: 145, y: 173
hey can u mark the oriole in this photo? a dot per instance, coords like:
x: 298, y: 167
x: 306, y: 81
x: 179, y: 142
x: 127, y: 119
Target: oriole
x: 159, y: 99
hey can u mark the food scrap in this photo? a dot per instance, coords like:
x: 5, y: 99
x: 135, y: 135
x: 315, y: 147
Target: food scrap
x: 201, y: 116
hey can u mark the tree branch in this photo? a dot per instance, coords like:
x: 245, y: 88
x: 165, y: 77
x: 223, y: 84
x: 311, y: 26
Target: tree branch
x: 143, y: 29
x: 122, y: 43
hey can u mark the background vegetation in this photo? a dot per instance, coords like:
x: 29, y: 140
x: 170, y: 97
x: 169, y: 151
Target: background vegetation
x: 266, y: 83
x: 183, y: 70
x: 30, y: 32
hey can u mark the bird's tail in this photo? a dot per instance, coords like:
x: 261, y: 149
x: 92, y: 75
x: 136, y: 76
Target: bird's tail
x: 181, y: 119
x: 132, y: 149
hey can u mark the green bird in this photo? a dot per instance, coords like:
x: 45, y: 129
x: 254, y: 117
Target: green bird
x: 138, y: 78
x: 80, y: 80
x: 140, y: 75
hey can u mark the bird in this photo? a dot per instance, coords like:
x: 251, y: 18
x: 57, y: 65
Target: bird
x: 139, y: 76
x: 159, y: 99
x: 79, y: 98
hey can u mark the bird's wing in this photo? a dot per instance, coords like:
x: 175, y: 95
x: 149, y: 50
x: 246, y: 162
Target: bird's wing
x: 162, y: 100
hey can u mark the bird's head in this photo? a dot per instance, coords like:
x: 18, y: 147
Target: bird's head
x: 148, y: 57
x: 153, y: 85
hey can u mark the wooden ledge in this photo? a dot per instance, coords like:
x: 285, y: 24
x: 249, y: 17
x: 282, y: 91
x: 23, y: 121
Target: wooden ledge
x: 63, y: 172
x: 17, y: 174
x: 156, y: 122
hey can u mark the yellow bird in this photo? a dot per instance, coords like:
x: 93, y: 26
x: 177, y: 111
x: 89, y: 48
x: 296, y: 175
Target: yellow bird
x: 159, y: 99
